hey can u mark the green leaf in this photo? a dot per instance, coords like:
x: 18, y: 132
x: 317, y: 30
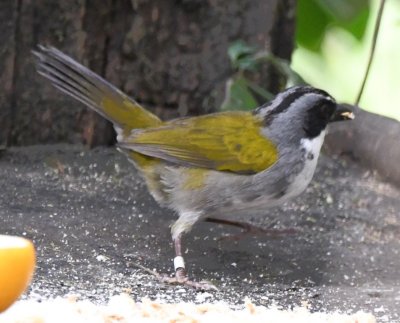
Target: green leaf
x: 312, y: 22
x: 238, y: 49
x: 238, y: 96
x: 263, y: 93
x: 243, y: 94
x: 314, y: 17
x: 357, y: 26
x: 241, y: 54
x: 343, y: 10
x: 351, y: 15
x: 282, y: 65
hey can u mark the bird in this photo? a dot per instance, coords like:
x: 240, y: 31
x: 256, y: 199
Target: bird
x: 223, y: 163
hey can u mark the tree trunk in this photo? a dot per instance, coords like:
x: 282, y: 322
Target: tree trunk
x: 169, y: 55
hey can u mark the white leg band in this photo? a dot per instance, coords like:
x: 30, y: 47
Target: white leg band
x: 179, y: 262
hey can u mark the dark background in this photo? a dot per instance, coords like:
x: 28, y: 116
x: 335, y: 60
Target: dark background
x: 169, y: 55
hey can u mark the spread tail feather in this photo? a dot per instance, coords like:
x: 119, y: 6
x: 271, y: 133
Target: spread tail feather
x: 89, y: 88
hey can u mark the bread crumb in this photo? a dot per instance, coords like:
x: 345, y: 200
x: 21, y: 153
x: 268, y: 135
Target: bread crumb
x: 122, y: 308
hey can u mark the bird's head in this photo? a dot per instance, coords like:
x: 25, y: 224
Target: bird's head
x: 304, y: 109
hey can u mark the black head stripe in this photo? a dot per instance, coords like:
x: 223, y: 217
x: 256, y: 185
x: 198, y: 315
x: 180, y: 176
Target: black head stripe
x: 290, y: 96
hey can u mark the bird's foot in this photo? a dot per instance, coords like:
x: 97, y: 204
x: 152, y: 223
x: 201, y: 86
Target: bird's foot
x: 181, y: 278
x: 202, y: 285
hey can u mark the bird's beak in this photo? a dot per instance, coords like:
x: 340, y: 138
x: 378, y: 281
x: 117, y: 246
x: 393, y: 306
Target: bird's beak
x: 347, y: 115
x: 343, y: 112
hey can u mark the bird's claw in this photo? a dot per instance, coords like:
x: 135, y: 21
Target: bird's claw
x: 185, y: 281
x: 180, y: 278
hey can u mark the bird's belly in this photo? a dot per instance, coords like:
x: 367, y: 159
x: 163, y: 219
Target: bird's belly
x: 256, y: 203
x: 266, y: 193
x: 301, y: 180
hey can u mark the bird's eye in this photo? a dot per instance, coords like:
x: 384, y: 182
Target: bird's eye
x: 326, y: 110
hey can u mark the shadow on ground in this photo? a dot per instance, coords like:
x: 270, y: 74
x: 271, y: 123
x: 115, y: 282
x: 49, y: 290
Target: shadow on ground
x: 92, y: 220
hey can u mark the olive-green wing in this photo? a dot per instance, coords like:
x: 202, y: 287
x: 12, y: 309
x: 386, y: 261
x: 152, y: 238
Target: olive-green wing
x: 229, y: 141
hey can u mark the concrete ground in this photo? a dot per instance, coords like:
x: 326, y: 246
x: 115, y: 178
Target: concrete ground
x: 93, y: 222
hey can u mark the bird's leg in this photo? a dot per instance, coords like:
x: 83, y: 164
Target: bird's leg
x: 184, y: 223
x: 179, y: 262
x: 180, y: 271
x: 242, y: 225
x: 249, y: 228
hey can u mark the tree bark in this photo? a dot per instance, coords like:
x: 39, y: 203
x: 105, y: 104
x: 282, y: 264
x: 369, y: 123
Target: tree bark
x: 8, y: 31
x: 169, y: 55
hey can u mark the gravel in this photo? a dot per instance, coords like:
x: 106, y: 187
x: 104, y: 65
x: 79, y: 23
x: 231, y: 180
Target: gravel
x: 92, y: 222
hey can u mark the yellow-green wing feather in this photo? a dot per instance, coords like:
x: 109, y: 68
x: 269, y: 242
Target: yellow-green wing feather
x: 84, y: 85
x: 229, y: 141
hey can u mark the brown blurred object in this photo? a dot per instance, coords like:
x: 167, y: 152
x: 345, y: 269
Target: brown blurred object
x: 371, y: 140
x: 169, y: 55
